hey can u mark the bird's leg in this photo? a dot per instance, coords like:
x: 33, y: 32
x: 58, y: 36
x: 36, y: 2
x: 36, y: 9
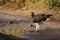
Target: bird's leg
x: 37, y: 27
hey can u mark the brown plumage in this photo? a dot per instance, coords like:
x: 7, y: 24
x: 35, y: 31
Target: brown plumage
x: 40, y: 17
x: 36, y: 19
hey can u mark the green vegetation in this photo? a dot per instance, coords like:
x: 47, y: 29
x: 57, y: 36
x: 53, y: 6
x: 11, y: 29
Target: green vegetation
x: 28, y: 4
x: 54, y: 4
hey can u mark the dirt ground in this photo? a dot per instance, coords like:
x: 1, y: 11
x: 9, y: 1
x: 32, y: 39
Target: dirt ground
x: 45, y: 34
x: 49, y: 30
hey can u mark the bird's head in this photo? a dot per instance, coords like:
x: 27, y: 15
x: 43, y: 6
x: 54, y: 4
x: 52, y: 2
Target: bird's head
x: 32, y: 14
